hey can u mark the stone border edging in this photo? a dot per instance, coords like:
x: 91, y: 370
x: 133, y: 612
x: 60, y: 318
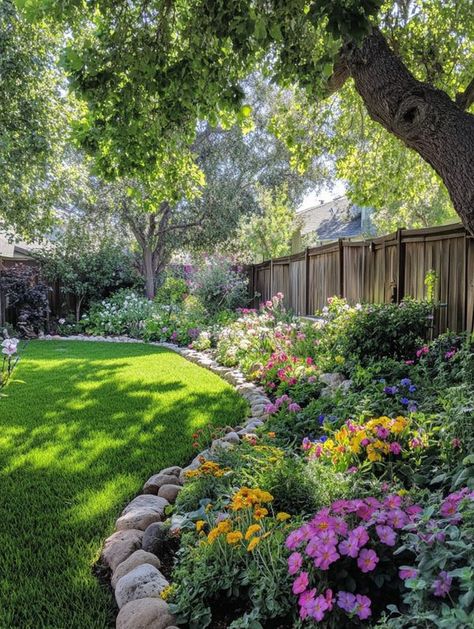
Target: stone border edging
x: 132, y: 552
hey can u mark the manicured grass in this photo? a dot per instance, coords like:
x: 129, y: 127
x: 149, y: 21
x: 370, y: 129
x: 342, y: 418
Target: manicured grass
x: 83, y: 425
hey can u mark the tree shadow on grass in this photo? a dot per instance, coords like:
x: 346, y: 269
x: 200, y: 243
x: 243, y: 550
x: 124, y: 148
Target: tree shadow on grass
x: 79, y: 437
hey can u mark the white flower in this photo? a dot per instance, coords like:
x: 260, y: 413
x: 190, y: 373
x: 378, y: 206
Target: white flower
x: 9, y: 346
x: 61, y: 321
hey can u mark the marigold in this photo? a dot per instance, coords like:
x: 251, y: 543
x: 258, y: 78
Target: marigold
x: 200, y: 525
x: 260, y: 512
x: 252, y: 529
x: 234, y: 537
x: 253, y: 542
x: 281, y: 516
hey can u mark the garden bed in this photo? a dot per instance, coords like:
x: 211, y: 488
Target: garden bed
x: 352, y: 503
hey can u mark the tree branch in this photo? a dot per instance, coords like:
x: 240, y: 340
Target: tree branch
x: 466, y: 98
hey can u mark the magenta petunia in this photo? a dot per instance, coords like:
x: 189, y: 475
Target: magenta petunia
x: 386, y: 535
x: 442, y: 584
x: 324, y: 556
x: 407, y: 572
x: 346, y: 601
x: 295, y: 561
x: 367, y: 560
x: 363, y: 606
x: 300, y: 583
x: 317, y: 608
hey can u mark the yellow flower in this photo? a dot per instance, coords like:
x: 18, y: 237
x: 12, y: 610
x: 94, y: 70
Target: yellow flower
x: 167, y: 592
x: 372, y: 453
x: 402, y: 492
x: 213, y: 535
x: 260, y: 512
x: 253, y: 542
x: 399, y: 424
x: 224, y: 526
x: 252, y: 529
x: 282, y: 516
x: 271, y: 435
x: 200, y: 525
x: 234, y: 537
x: 339, y: 360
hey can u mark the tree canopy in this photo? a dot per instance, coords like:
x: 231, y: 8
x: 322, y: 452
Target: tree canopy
x: 148, y: 71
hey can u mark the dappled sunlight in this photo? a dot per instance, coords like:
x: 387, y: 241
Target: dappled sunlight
x: 88, y: 424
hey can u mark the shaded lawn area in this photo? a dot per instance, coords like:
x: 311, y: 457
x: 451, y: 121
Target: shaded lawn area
x: 82, y: 427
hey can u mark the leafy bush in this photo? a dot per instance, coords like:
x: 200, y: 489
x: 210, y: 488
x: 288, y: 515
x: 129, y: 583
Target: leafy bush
x: 28, y: 296
x: 220, y: 286
x: 374, y: 331
x: 123, y: 313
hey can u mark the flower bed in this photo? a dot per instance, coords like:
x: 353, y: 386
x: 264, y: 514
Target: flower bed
x: 347, y: 499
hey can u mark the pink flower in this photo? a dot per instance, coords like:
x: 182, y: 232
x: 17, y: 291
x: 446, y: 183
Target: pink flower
x: 367, y: 560
x: 328, y: 595
x: 294, y: 407
x: 455, y: 442
x: 393, y: 501
x: 294, y: 539
x: 317, y: 608
x: 324, y: 556
x: 395, y: 448
x: 295, y: 561
x: 397, y: 518
x: 382, y: 432
x: 305, y: 601
x: 407, y: 572
x: 386, y: 535
x: 300, y: 583
x: 363, y: 606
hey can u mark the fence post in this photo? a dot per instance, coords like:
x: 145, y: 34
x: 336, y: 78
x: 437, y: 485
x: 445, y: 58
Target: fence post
x: 271, y: 279
x: 341, y: 267
x: 306, y: 281
x: 400, y: 266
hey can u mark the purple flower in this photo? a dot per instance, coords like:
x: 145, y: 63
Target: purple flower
x: 317, y: 607
x: 390, y: 390
x: 294, y: 539
x: 321, y: 420
x: 412, y: 388
x: 346, y: 601
x: 305, y: 601
x: 382, y: 432
x: 442, y: 584
x: 363, y: 606
x: 367, y: 560
x: 395, y: 448
x: 300, y: 583
x: 407, y: 572
x: 386, y: 535
x: 405, y: 401
x: 295, y: 561
x: 405, y: 382
x: 294, y: 407
x: 324, y: 556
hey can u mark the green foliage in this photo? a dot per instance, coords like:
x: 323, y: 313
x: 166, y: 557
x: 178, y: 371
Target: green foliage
x: 268, y: 235
x: 28, y: 295
x: 375, y: 331
x: 221, y: 286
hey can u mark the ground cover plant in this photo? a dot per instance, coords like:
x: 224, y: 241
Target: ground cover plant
x: 83, y: 425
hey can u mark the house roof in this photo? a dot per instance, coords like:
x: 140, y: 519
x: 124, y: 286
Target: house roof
x: 338, y: 218
x: 16, y: 250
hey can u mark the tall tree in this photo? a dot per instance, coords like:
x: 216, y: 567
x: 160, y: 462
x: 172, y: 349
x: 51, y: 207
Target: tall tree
x: 34, y: 122
x: 149, y: 70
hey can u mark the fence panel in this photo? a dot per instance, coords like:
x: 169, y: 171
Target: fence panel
x: 380, y: 270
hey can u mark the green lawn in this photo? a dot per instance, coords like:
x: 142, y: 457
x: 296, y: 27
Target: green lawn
x: 83, y: 425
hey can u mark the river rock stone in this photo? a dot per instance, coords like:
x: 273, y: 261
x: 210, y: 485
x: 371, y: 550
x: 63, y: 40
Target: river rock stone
x: 145, y: 613
x: 138, y: 558
x: 155, y: 482
x: 174, y: 470
x: 141, y: 512
x: 331, y: 379
x: 155, y: 537
x: 231, y: 437
x: 144, y: 581
x: 119, y: 546
x: 169, y: 492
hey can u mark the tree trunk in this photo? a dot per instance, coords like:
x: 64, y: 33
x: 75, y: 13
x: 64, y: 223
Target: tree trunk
x: 79, y: 301
x: 423, y: 117
x: 149, y: 272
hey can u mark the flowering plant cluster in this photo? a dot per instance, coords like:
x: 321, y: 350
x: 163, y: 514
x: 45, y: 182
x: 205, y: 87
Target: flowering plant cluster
x: 10, y: 358
x: 372, y: 441
x: 439, y: 578
x: 351, y: 537
x: 282, y: 371
x: 207, y: 468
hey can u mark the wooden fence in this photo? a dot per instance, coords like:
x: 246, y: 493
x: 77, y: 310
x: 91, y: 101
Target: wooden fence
x: 379, y: 270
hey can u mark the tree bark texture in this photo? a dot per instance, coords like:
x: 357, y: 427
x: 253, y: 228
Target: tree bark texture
x: 422, y: 116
